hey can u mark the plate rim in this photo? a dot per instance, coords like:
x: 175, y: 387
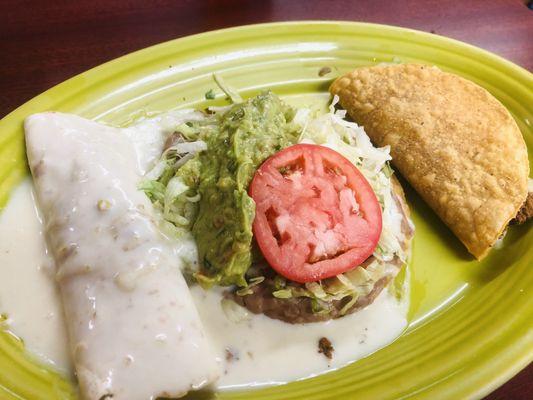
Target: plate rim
x: 197, y: 36
x: 494, y: 380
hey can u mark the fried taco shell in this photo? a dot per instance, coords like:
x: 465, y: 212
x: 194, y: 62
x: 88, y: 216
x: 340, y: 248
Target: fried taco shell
x: 455, y: 143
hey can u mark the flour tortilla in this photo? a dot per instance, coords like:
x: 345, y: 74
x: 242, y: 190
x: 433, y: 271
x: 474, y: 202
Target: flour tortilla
x: 134, y: 331
x: 455, y: 143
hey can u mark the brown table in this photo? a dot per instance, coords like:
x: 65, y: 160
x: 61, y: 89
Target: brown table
x: 45, y: 42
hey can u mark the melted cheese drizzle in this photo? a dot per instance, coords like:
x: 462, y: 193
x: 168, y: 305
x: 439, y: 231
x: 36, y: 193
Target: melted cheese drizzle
x: 257, y: 351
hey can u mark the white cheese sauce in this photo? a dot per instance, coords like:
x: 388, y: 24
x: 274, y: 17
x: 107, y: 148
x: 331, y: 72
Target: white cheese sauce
x: 29, y: 296
x: 261, y: 351
x: 257, y: 351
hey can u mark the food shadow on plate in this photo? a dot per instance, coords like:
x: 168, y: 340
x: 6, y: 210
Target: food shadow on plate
x: 449, y: 240
x: 515, y: 247
x: 496, y: 263
x: 425, y: 212
x: 323, y: 86
x: 203, y: 394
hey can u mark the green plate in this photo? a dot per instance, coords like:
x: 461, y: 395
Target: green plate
x: 470, y: 326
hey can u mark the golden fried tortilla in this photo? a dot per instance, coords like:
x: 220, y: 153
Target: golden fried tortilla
x: 455, y: 143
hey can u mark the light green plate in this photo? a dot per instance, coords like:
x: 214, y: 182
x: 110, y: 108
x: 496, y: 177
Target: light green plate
x: 471, y: 322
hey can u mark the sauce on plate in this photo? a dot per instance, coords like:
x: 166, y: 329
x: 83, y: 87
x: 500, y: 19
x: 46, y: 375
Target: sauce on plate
x: 256, y: 351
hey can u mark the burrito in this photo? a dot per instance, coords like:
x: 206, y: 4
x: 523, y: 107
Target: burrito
x: 452, y: 140
x: 133, y: 329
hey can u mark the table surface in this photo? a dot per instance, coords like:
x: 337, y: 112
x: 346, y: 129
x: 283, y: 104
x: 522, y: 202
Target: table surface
x: 42, y: 43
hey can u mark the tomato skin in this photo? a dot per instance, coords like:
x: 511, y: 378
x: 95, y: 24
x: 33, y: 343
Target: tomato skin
x: 316, y: 214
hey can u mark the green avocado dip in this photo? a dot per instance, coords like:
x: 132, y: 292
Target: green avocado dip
x: 208, y: 193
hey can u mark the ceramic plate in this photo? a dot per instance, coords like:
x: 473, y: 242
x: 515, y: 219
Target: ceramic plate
x: 470, y: 322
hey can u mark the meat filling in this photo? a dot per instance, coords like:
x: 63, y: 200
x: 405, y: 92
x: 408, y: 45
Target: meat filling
x: 526, y: 212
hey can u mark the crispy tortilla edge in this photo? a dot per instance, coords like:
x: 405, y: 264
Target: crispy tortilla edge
x: 479, y: 249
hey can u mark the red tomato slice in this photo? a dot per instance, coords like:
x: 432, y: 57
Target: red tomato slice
x: 316, y: 214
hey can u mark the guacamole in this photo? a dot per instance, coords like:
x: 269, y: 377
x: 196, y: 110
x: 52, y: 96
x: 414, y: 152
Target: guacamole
x: 246, y: 135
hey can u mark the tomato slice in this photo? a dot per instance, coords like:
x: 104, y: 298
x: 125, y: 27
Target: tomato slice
x: 316, y: 214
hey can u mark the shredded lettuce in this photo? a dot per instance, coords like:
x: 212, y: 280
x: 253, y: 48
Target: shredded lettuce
x: 251, y: 283
x: 168, y: 185
x: 228, y: 90
x: 353, y: 284
x: 234, y: 312
x: 349, y: 139
x: 154, y: 190
x: 282, y: 294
